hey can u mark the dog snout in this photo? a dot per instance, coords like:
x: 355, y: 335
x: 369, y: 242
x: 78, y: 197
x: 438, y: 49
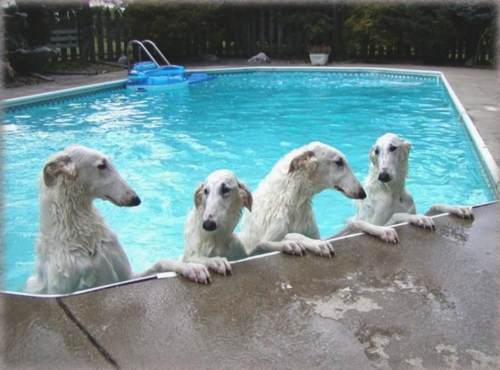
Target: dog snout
x: 209, y: 225
x: 361, y: 194
x: 384, y: 176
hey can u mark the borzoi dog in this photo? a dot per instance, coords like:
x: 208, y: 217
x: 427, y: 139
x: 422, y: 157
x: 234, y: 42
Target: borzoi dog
x: 280, y: 216
x: 388, y: 202
x: 76, y: 249
x: 208, y: 231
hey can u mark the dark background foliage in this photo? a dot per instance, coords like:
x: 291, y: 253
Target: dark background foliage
x: 442, y: 33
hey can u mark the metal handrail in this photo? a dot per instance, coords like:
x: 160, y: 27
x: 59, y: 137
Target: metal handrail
x: 157, y: 50
x: 144, y: 48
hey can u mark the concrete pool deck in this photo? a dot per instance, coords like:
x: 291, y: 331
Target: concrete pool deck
x: 429, y: 302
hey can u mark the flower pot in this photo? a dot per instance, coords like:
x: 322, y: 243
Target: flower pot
x: 319, y: 59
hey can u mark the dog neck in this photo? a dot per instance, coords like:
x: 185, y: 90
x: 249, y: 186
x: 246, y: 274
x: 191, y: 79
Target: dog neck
x: 68, y: 216
x: 299, y: 190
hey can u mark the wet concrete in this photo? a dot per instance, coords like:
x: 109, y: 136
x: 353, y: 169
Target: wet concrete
x: 430, y: 302
x: 38, y: 334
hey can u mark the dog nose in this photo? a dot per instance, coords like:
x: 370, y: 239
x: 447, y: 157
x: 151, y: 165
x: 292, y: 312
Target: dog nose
x: 361, y: 194
x: 384, y: 177
x: 209, y: 225
x: 135, y: 201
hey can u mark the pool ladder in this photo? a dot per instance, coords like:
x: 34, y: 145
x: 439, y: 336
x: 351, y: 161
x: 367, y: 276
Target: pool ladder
x: 143, y: 47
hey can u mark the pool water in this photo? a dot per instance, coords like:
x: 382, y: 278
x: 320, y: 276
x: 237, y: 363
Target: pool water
x: 164, y: 144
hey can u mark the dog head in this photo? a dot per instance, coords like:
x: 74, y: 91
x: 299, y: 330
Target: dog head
x: 222, y: 197
x: 326, y: 168
x: 88, y: 174
x: 389, y: 157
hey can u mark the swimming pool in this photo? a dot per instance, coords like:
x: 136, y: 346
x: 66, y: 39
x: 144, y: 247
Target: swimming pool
x: 165, y: 144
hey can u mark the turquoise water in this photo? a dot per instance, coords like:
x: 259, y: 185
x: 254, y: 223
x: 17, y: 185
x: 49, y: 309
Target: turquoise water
x: 164, y: 144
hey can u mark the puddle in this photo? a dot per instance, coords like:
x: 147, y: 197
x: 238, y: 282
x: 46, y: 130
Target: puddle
x: 430, y: 293
x: 454, y: 233
x: 339, y: 303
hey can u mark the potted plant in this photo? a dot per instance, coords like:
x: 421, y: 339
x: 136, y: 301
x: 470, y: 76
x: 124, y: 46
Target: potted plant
x: 319, y: 54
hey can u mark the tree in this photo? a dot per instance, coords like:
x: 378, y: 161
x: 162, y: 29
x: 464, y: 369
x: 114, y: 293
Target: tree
x: 480, y: 21
x: 406, y: 30
x: 175, y: 29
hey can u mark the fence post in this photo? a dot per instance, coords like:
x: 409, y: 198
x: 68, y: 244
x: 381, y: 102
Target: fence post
x: 109, y: 34
x: 262, y: 31
x: 289, y: 40
x: 252, y: 34
x: 271, y: 31
x: 280, y: 34
x: 100, y: 35
x: 237, y: 41
x: 86, y: 32
x: 118, y: 34
x: 74, y: 21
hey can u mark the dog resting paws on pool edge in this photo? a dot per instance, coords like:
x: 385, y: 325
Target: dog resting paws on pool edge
x: 388, y: 202
x: 75, y: 248
x: 209, y: 236
x: 282, y: 217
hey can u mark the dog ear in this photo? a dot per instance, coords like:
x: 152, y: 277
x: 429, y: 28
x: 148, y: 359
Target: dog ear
x: 372, y: 155
x: 407, y: 145
x: 246, y: 195
x: 198, y: 195
x: 61, y: 165
x: 304, y: 160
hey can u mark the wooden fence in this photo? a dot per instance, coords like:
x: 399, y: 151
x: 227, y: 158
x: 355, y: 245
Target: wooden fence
x: 105, y: 38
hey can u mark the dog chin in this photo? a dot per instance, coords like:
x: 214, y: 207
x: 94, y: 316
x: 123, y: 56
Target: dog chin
x: 131, y: 203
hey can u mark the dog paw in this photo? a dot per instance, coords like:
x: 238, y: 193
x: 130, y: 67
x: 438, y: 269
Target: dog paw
x: 463, y: 212
x: 388, y: 235
x: 424, y: 222
x: 220, y: 265
x: 197, y: 273
x: 321, y: 248
x: 293, y: 248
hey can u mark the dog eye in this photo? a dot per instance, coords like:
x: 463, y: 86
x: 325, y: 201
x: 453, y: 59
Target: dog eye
x: 392, y: 148
x: 225, y: 189
x: 339, y: 162
x: 377, y: 152
x: 205, y: 191
x: 102, y: 166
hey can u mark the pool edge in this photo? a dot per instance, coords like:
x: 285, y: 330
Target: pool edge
x: 479, y: 144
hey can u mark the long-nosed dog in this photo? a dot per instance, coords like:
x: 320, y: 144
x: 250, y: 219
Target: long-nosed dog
x: 281, y: 217
x: 209, y: 236
x: 388, y: 202
x: 76, y: 249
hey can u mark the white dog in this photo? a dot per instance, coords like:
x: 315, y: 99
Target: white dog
x: 208, y: 232
x: 76, y: 249
x: 282, y: 218
x: 388, y: 202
